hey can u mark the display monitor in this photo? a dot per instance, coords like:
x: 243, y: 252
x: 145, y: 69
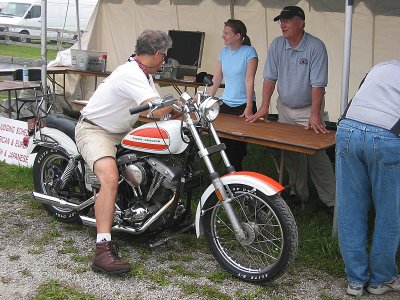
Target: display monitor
x: 187, y: 47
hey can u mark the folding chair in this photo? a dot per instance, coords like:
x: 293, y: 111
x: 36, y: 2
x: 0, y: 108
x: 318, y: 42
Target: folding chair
x: 34, y: 75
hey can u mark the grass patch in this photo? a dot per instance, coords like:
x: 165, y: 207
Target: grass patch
x: 206, y: 291
x: 161, y: 277
x: 71, y: 226
x: 26, y: 273
x: 219, y: 276
x: 46, y: 238
x: 327, y: 297
x: 189, y: 289
x: 317, y: 248
x: 144, y: 253
x: 86, y: 259
x: 190, y: 242
x: 56, y: 290
x: 259, y: 160
x: 211, y: 292
x: 81, y: 270
x: 31, y: 208
x: 182, y: 270
x: 14, y: 177
x: 68, y: 247
x: 138, y: 271
x: 16, y: 230
x: 25, y: 51
x: 256, y: 294
x: 175, y: 257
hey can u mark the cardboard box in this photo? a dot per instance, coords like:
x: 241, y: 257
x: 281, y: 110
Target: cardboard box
x: 87, y: 60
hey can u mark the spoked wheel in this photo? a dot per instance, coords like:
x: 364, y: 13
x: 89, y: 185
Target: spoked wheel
x: 271, y: 239
x: 48, y: 167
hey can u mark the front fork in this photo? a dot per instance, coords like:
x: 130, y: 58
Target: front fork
x: 226, y: 203
x: 219, y: 187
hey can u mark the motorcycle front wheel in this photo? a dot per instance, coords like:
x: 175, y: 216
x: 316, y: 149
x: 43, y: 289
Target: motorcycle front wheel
x: 48, y: 167
x: 271, y: 241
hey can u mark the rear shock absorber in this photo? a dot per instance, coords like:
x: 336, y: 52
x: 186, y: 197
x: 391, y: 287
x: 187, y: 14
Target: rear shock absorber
x: 72, y: 163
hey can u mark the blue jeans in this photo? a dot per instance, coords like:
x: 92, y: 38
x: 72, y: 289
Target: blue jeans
x: 368, y: 172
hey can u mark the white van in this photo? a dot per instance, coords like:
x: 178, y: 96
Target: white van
x: 2, y: 4
x: 61, y: 14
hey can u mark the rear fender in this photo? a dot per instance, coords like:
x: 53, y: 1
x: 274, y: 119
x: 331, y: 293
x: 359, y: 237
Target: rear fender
x: 52, y: 138
x: 259, y: 181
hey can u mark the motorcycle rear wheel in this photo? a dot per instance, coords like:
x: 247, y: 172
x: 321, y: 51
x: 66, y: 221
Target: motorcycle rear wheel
x: 271, y: 242
x: 49, y: 165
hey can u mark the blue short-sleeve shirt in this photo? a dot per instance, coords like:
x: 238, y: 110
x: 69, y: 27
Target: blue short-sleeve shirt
x: 234, y: 66
x: 297, y: 70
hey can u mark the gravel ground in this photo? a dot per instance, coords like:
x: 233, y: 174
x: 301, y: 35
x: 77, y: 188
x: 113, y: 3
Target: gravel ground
x: 35, y: 250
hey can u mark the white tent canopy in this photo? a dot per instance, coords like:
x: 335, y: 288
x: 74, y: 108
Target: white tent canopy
x: 115, y: 25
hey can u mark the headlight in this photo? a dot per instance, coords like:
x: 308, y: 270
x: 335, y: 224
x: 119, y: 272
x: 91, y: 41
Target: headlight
x: 209, y: 109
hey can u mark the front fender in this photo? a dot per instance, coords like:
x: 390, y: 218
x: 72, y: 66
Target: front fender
x: 46, y: 136
x: 259, y: 181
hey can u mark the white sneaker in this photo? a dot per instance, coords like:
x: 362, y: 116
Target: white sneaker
x: 392, y: 285
x: 355, y: 289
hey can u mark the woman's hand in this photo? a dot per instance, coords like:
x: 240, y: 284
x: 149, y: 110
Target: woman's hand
x: 261, y: 113
x: 248, y: 112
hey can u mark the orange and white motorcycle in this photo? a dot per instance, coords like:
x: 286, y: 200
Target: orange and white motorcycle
x: 248, y: 227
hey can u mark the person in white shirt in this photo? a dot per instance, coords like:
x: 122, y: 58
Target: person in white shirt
x: 104, y: 122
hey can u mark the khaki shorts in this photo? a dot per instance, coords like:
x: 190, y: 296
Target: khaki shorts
x: 94, y: 142
x: 299, y: 116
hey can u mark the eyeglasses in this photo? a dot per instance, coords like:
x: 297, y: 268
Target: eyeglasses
x: 164, y: 56
x: 284, y: 21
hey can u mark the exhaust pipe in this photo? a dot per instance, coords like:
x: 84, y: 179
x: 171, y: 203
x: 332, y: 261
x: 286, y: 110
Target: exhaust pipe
x: 92, y: 222
x: 50, y: 200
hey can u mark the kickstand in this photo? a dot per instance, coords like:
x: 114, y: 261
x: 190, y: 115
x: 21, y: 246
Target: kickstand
x: 175, y: 234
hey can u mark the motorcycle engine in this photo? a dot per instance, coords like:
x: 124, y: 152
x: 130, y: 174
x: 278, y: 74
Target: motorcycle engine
x: 149, y: 183
x: 135, y: 174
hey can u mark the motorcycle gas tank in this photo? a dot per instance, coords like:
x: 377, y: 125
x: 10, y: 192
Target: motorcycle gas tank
x: 161, y: 138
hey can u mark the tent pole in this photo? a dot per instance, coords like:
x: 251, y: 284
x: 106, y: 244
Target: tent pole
x: 43, y: 45
x: 78, y: 27
x: 345, y: 83
x: 346, y: 55
x: 232, y: 9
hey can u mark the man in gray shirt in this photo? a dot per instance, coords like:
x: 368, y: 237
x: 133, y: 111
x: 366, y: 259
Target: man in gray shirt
x: 368, y: 177
x: 298, y: 63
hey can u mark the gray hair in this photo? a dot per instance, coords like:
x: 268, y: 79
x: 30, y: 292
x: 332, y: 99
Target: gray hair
x: 302, y: 20
x: 151, y: 41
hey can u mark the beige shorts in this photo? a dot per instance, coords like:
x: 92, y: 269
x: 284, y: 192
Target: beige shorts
x: 94, y: 142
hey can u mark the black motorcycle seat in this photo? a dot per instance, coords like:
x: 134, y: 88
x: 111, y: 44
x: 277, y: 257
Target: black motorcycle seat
x: 62, y: 122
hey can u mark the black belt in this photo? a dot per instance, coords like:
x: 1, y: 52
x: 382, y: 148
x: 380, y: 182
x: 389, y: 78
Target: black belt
x: 83, y: 119
x: 396, y: 128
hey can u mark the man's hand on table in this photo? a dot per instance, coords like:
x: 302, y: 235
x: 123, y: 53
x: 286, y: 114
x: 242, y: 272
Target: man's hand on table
x: 315, y: 123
